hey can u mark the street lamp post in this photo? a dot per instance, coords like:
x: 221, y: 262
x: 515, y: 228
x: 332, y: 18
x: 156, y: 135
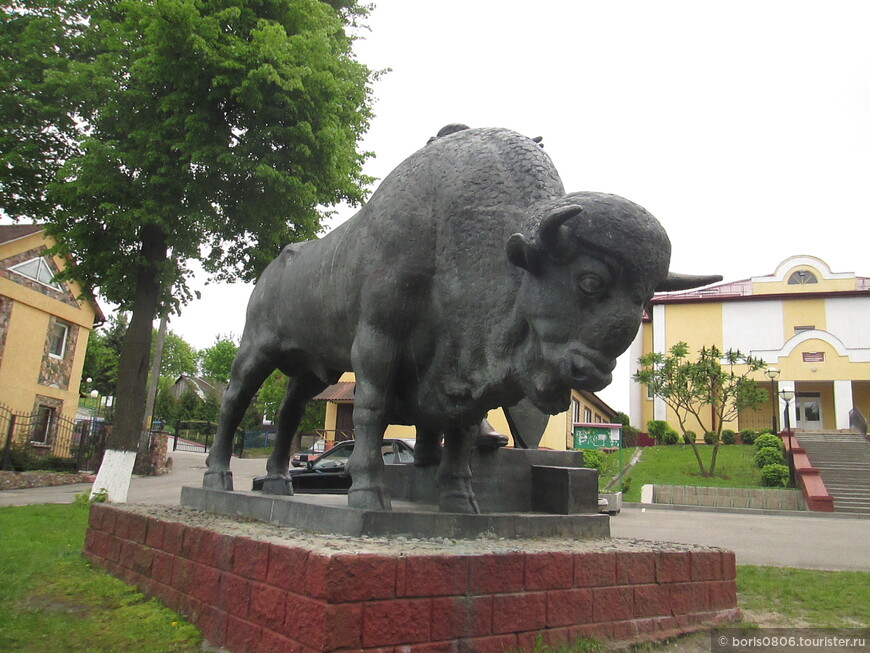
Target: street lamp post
x: 773, y: 374
x: 787, y: 396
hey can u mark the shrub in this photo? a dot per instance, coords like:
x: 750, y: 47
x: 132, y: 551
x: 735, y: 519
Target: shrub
x: 747, y: 436
x: 670, y: 437
x: 593, y: 459
x: 657, y: 429
x: 774, y: 475
x: 710, y: 437
x: 728, y: 437
x: 689, y: 437
x: 766, y: 429
x: 629, y: 436
x: 768, y: 456
x: 766, y: 440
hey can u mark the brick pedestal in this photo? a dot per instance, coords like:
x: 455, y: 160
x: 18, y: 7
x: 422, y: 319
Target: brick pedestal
x: 251, y: 595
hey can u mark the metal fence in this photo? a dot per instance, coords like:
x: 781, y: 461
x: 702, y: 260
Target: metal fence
x: 44, y: 440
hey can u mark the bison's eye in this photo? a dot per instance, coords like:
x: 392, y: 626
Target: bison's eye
x: 591, y: 284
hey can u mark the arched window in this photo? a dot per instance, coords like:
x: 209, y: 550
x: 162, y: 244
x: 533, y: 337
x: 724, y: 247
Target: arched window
x: 801, y: 277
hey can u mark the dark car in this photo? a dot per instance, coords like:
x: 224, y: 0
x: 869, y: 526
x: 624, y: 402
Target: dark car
x: 327, y: 473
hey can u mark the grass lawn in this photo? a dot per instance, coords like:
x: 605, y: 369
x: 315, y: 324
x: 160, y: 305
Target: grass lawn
x: 52, y: 601
x: 676, y: 465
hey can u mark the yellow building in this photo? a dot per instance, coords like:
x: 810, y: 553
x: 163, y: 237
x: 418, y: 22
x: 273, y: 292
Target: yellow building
x: 44, y: 331
x: 586, y: 407
x: 804, y: 320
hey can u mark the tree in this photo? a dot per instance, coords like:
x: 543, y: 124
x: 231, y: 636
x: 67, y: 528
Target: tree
x: 217, y: 361
x: 179, y: 356
x: 213, y: 131
x: 713, y: 389
x: 102, y: 354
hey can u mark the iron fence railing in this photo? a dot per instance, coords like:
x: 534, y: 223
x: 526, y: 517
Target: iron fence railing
x: 45, y: 440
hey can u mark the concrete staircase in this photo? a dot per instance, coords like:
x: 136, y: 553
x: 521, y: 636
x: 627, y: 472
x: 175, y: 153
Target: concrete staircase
x: 843, y: 461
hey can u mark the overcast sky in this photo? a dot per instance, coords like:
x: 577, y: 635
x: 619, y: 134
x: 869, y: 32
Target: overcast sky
x: 743, y: 126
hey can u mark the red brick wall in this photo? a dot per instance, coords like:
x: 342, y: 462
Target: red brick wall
x: 250, y: 595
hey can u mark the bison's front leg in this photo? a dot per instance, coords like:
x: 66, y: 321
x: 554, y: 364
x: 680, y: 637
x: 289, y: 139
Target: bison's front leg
x: 454, y: 474
x: 250, y: 368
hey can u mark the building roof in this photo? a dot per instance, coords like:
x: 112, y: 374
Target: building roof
x: 338, y: 393
x: 10, y: 232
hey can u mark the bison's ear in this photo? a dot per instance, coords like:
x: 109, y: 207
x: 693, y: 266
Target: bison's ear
x: 522, y: 253
x: 676, y: 281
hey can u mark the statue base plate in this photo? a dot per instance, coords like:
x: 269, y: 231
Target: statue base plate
x: 319, y: 513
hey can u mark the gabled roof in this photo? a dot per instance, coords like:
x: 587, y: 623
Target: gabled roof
x: 341, y: 392
x: 10, y: 232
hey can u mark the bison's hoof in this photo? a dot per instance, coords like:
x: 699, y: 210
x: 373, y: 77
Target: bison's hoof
x: 278, y: 485
x: 218, y: 480
x: 368, y: 499
x: 456, y: 502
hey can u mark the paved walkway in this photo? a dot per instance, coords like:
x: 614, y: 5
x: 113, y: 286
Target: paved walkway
x: 803, y: 540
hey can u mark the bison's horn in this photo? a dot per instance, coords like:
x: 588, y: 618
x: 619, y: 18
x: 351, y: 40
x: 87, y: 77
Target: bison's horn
x: 676, y: 281
x: 551, y: 233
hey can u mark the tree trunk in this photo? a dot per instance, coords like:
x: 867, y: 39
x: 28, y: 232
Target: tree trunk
x: 117, y: 466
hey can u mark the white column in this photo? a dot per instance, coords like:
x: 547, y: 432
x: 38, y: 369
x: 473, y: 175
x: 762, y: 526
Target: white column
x: 792, y: 406
x: 660, y: 409
x: 842, y: 403
x: 635, y: 389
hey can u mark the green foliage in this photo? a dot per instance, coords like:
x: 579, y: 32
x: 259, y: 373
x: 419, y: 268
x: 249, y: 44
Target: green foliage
x: 593, y: 459
x: 712, y: 389
x: 769, y: 440
x: 689, y: 437
x: 670, y: 437
x: 217, y: 361
x: 774, y: 475
x: 656, y: 429
x: 729, y: 437
x: 768, y: 456
x: 748, y: 436
x: 711, y: 437
x: 622, y: 418
x: 179, y: 356
x: 102, y: 354
x: 629, y: 436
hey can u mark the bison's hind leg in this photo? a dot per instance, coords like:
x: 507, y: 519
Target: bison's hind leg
x: 250, y: 368
x: 454, y: 474
x: 427, y: 449
x: 300, y: 390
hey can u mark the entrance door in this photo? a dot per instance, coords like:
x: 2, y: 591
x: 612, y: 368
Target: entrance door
x: 809, y: 411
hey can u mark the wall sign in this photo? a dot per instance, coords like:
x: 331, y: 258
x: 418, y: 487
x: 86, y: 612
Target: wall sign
x: 814, y: 356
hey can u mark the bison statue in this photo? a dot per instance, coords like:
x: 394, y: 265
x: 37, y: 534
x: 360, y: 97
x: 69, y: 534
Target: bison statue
x: 469, y: 281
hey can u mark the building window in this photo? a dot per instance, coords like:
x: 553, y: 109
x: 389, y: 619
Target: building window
x: 804, y: 327
x: 57, y: 335
x: 575, y: 411
x: 43, y: 425
x: 37, y: 269
x: 801, y: 277
x: 587, y: 415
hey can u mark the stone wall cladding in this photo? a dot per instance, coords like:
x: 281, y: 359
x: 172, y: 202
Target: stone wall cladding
x: 250, y: 595
x: 56, y: 372
x: 64, y: 296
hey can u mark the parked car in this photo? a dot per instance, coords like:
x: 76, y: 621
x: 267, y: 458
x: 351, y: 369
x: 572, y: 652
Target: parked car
x: 299, y: 458
x: 327, y: 473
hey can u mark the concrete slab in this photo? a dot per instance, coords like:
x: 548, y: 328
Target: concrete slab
x: 330, y: 514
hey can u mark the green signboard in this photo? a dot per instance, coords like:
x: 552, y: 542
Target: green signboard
x: 596, y: 436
